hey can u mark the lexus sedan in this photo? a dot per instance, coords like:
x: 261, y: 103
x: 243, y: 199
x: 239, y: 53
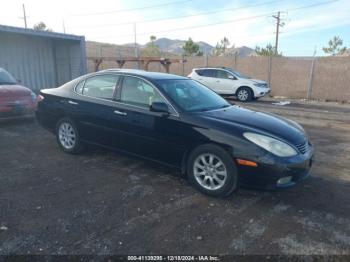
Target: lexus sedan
x: 179, y: 122
x: 15, y: 99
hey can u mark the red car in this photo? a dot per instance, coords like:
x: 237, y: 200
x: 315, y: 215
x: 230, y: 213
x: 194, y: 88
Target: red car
x: 15, y: 99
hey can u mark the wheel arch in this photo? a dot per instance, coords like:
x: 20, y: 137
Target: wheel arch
x: 188, y: 152
x: 245, y: 86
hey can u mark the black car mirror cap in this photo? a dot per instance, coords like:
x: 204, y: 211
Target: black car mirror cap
x: 160, y: 107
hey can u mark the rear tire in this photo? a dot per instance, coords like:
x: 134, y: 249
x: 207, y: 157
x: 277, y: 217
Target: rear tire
x: 244, y: 94
x: 68, y: 137
x: 212, y: 171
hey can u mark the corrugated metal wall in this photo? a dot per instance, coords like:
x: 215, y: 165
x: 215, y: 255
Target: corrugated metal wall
x: 40, y: 62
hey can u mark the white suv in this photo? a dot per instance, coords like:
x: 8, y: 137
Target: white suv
x: 226, y: 81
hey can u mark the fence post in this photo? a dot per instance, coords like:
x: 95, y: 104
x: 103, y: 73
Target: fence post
x: 183, y: 65
x: 235, y: 60
x: 269, y: 71
x: 311, y: 79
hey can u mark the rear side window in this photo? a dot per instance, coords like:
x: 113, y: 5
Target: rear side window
x: 206, y: 72
x: 79, y: 87
x: 101, y: 86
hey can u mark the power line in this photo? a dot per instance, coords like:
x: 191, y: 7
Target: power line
x: 132, y: 9
x: 230, y: 21
x: 183, y: 16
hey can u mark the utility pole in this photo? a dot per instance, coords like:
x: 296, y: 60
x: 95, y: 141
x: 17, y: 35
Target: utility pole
x: 24, y: 16
x: 64, y: 27
x: 278, y: 25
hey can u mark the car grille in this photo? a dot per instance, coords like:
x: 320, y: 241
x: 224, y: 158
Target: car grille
x: 304, y: 147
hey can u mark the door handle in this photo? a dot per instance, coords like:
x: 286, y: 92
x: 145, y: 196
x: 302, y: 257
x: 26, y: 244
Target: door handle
x: 72, y: 102
x: 120, y: 113
x: 217, y: 81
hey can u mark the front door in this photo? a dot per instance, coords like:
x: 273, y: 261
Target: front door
x: 149, y: 134
x: 225, y: 82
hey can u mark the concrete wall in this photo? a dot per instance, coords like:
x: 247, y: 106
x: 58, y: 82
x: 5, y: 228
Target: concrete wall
x: 288, y: 76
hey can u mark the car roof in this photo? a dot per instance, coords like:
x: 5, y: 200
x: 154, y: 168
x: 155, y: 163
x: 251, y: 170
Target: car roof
x: 222, y: 68
x: 146, y: 74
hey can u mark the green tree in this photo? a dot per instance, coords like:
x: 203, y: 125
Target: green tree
x: 269, y: 50
x: 151, y: 49
x: 153, y: 38
x: 41, y: 26
x: 335, y: 47
x: 190, y: 48
x: 224, y: 44
x: 221, y: 48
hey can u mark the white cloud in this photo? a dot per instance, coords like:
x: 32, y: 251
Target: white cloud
x: 246, y: 32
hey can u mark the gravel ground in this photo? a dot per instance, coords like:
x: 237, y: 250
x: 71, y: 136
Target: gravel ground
x: 107, y: 203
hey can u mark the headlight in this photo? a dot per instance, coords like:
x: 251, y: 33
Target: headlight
x: 260, y: 84
x: 272, y: 145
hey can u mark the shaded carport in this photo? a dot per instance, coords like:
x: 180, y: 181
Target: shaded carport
x: 41, y: 59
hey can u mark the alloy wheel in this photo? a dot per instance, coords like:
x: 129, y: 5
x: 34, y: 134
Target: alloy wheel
x: 209, y: 171
x: 66, y: 135
x: 243, y: 95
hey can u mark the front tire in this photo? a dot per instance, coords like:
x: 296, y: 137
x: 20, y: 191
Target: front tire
x: 244, y: 94
x: 68, y: 137
x: 212, y: 171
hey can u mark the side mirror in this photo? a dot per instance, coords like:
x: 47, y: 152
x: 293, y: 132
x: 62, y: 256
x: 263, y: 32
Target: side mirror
x: 18, y: 80
x: 159, y: 107
x: 231, y: 77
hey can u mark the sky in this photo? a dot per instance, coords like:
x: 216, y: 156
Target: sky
x: 308, y: 24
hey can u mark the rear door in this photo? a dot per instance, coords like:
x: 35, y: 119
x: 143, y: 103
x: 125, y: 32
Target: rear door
x: 93, y: 110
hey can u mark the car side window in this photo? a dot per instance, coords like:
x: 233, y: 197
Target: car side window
x: 200, y: 72
x: 207, y: 73
x: 138, y: 92
x: 101, y: 86
x: 79, y: 87
x: 221, y: 74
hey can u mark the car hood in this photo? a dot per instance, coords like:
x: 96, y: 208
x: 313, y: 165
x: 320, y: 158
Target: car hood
x: 263, y: 123
x: 258, y: 81
x: 14, y: 91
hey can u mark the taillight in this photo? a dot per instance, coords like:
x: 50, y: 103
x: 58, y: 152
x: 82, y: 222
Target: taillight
x: 40, y: 98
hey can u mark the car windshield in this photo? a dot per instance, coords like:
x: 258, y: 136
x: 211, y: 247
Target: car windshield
x: 6, y: 78
x: 192, y: 96
x: 238, y: 74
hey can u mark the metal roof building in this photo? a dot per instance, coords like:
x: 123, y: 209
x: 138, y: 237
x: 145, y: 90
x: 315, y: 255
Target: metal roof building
x: 41, y: 59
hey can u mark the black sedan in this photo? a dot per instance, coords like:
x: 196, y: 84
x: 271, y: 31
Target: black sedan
x: 179, y: 122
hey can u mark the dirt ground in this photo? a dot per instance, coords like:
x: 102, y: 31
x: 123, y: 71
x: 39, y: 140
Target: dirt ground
x: 107, y: 203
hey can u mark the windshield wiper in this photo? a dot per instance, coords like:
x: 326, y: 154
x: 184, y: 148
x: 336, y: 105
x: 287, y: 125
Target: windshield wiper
x: 211, y: 108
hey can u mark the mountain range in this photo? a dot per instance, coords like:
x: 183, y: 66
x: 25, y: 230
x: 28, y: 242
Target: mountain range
x: 174, y: 46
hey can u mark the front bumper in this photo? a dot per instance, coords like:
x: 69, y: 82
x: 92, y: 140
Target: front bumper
x: 262, y: 92
x: 276, y: 172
